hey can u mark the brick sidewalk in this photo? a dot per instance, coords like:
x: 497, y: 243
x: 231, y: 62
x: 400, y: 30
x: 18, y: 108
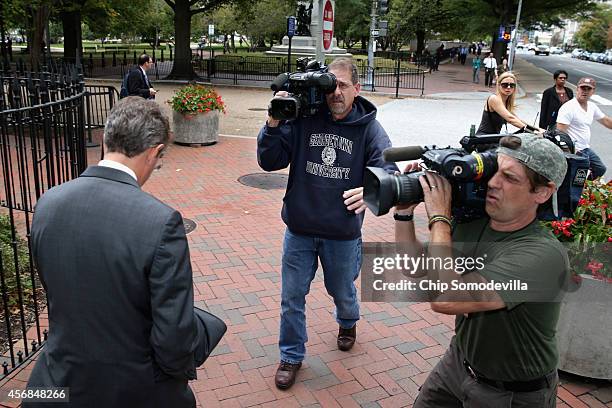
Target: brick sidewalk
x: 235, y: 253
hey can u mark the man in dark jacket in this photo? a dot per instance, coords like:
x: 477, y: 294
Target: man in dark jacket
x: 114, y: 262
x: 138, y: 83
x: 553, y: 98
x: 323, y: 207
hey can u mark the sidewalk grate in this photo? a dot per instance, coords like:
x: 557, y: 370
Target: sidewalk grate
x: 264, y: 181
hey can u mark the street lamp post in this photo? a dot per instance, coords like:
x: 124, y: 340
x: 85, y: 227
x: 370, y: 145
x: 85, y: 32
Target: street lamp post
x: 516, y: 31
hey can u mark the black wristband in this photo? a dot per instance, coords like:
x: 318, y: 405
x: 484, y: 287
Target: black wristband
x: 400, y: 217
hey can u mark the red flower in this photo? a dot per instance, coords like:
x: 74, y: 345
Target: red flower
x: 594, y: 267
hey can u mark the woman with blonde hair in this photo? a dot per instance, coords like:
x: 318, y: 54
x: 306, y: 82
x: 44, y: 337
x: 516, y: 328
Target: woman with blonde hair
x: 499, y: 108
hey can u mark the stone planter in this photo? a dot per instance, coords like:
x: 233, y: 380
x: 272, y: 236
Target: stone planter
x: 199, y: 129
x: 584, y: 332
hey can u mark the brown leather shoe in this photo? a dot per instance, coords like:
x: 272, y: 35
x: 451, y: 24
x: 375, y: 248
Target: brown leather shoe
x: 285, y: 374
x: 346, y: 338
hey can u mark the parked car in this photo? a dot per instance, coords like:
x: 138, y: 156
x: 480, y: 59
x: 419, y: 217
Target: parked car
x: 520, y: 46
x: 576, y: 52
x: 556, y: 50
x: 584, y: 55
x: 608, y: 57
x: 594, y: 56
x: 531, y: 47
x: 542, y: 49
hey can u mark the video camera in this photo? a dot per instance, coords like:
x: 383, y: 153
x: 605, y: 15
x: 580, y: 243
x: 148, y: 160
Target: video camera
x: 468, y: 169
x: 307, y: 89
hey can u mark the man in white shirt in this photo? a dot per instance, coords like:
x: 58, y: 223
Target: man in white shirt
x: 575, y: 118
x: 490, y: 64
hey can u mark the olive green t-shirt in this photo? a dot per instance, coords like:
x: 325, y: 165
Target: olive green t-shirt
x: 516, y: 343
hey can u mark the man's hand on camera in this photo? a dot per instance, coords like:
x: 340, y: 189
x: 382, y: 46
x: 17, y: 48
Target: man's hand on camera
x: 437, y: 194
x: 407, y: 209
x: 353, y: 199
x: 271, y: 122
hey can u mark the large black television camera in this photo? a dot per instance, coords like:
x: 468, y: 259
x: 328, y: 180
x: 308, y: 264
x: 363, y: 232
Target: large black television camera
x: 468, y: 169
x: 307, y: 89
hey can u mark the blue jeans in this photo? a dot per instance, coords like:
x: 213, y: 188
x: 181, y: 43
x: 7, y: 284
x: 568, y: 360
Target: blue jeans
x: 341, y: 261
x: 598, y: 169
x: 475, y: 75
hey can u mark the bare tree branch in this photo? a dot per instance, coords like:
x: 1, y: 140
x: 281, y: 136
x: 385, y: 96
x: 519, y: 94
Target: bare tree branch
x: 170, y: 3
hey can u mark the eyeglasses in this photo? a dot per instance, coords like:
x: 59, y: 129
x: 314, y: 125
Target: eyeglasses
x: 585, y: 88
x: 508, y: 85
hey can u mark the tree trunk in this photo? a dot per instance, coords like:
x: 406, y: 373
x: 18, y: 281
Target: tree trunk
x: 420, y: 35
x: 233, y: 43
x: 182, y: 68
x: 364, y: 42
x: 73, y: 42
x: 41, y: 15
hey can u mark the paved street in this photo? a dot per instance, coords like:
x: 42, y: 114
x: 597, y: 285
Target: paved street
x: 576, y: 68
x: 602, y: 73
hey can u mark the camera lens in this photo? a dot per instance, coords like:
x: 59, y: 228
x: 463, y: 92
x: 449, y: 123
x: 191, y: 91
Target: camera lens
x: 382, y: 190
x: 286, y: 108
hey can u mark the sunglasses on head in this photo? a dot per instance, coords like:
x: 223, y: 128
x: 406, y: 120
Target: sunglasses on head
x: 508, y: 85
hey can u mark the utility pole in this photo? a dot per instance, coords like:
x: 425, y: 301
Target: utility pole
x: 371, y: 44
x: 516, y: 33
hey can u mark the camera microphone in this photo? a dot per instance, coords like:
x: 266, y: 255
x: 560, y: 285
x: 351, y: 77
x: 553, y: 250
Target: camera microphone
x: 279, y: 82
x: 396, y: 154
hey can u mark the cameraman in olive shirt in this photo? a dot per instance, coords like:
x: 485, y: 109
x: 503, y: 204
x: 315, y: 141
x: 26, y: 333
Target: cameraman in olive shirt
x: 504, y: 353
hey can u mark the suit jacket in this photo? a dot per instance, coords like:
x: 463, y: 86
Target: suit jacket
x: 549, y: 108
x: 115, y: 264
x: 138, y: 85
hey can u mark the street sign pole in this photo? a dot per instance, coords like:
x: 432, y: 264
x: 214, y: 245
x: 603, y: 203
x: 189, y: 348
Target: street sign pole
x: 369, y: 85
x: 211, y: 33
x: 516, y: 33
x: 290, y: 34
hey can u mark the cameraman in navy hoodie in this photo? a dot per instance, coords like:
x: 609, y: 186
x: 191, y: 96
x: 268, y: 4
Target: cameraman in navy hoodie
x: 323, y: 207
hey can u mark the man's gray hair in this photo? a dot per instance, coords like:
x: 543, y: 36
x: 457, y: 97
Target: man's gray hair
x: 134, y: 125
x: 347, y: 64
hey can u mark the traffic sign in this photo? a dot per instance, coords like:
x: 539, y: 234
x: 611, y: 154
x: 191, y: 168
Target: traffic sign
x: 211, y: 29
x: 328, y: 25
x: 375, y: 33
x: 290, y: 26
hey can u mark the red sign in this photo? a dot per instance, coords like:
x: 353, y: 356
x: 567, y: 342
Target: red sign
x: 328, y: 25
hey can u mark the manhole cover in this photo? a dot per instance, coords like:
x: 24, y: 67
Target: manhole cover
x: 190, y: 225
x: 258, y: 109
x: 265, y: 181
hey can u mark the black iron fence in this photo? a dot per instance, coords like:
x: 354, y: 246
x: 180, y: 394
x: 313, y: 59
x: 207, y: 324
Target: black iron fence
x: 395, y: 70
x: 44, y: 119
x: 398, y: 73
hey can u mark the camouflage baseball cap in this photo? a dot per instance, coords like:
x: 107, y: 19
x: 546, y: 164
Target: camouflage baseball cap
x: 540, y: 155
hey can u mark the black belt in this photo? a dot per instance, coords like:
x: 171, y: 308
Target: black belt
x: 514, y: 386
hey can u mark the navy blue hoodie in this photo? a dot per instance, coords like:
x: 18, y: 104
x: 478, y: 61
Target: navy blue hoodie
x: 327, y: 157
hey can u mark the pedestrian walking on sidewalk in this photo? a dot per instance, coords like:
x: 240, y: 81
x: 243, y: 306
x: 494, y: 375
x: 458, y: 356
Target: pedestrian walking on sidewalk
x: 490, y: 66
x: 502, y: 68
x: 138, y: 83
x: 323, y: 207
x: 575, y: 118
x: 553, y: 98
x: 499, y: 108
x: 114, y: 261
x: 476, y: 64
x: 464, y: 53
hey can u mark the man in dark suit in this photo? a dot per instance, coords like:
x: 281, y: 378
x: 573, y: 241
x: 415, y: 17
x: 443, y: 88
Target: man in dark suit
x: 138, y: 83
x: 115, y: 264
x: 553, y: 98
